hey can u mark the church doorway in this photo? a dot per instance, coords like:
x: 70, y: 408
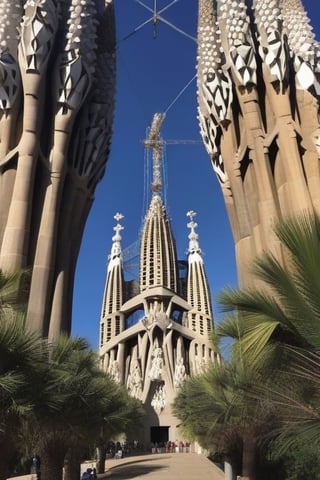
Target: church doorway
x: 159, y: 434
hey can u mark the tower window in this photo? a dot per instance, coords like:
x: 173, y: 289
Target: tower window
x: 117, y: 329
x: 101, y: 334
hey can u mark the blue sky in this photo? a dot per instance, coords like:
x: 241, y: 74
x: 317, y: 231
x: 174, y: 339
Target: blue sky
x: 154, y: 68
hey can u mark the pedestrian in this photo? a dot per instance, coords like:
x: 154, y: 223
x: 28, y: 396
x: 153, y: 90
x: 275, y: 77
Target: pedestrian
x: 35, y: 465
x: 87, y: 475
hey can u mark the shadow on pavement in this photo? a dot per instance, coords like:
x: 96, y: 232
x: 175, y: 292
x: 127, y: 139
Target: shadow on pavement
x: 132, y: 469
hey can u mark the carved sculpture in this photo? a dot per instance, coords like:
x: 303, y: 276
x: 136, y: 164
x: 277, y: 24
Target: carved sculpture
x: 180, y: 373
x: 155, y: 372
x: 57, y: 82
x: 135, y: 381
x: 258, y: 104
x: 114, y: 371
x: 180, y: 369
x: 158, y: 401
x: 134, y: 384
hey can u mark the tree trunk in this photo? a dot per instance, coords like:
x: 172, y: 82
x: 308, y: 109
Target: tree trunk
x: 101, y: 459
x: 249, y: 458
x: 72, y: 464
x: 7, y: 454
x: 51, y: 461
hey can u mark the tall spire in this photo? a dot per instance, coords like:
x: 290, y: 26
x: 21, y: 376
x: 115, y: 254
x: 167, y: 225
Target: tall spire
x: 302, y: 44
x: 213, y: 84
x: 115, y: 255
x: 111, y: 320
x: 193, y: 237
x: 198, y: 293
x: 301, y: 39
x: 51, y: 163
x: 258, y: 101
x: 158, y: 259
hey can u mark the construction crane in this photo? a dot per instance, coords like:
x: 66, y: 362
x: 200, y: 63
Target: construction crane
x: 154, y: 142
x: 171, y: 142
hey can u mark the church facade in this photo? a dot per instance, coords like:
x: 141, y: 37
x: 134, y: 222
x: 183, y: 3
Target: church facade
x: 154, y: 332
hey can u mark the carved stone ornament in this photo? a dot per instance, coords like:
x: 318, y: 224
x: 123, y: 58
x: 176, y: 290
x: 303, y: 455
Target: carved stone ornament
x: 134, y: 383
x: 114, y: 371
x: 158, y: 401
x: 179, y: 373
x: 155, y: 372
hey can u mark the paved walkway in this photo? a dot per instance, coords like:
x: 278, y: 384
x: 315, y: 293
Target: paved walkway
x: 162, y: 466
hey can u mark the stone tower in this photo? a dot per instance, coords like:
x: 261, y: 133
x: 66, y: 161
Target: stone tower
x: 57, y: 67
x: 156, y: 332
x: 258, y: 76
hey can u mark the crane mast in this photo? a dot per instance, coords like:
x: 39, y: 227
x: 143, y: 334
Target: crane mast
x: 154, y: 142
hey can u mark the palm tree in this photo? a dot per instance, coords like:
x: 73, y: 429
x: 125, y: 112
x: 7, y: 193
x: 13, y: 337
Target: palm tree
x: 22, y: 368
x: 285, y: 309
x: 22, y: 365
x: 217, y: 410
x: 127, y: 416
x: 83, y: 401
x: 276, y: 326
x: 54, y: 399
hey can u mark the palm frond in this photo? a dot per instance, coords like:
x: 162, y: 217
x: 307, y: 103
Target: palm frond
x: 14, y: 290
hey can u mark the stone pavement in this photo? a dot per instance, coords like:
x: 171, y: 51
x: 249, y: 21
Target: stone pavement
x: 162, y: 466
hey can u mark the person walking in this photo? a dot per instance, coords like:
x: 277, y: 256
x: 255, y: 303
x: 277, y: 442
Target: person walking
x: 88, y: 474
